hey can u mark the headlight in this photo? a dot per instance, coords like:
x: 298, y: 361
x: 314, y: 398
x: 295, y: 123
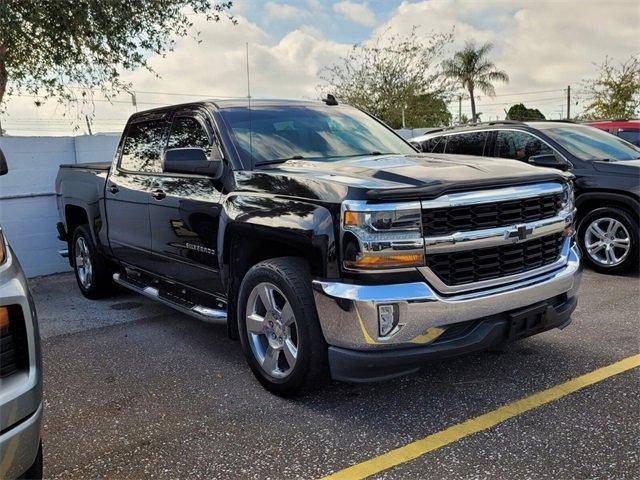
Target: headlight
x: 568, y: 197
x: 3, y: 249
x: 381, y: 236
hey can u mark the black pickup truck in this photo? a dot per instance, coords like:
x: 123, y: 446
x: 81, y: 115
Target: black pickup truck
x: 327, y: 244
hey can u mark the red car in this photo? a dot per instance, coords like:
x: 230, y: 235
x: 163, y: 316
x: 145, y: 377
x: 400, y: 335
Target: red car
x: 628, y: 130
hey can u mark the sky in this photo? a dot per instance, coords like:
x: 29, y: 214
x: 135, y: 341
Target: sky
x: 544, y: 46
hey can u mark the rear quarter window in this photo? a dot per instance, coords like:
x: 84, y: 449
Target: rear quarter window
x: 142, y: 146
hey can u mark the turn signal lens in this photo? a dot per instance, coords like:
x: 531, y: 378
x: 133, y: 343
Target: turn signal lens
x: 4, y: 317
x: 3, y: 249
x: 387, y: 261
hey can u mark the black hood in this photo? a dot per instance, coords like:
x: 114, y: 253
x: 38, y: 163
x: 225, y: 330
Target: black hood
x: 391, y: 176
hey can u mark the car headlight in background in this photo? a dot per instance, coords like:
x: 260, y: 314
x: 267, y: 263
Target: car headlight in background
x: 568, y: 203
x: 381, y: 236
x: 3, y: 248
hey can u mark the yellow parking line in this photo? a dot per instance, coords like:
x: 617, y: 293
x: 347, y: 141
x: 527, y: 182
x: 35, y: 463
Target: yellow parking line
x: 483, y: 422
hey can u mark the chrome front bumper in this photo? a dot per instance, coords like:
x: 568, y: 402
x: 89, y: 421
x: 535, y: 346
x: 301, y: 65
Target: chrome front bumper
x: 349, y: 313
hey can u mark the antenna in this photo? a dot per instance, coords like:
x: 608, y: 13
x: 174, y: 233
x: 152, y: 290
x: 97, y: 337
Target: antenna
x: 249, y: 103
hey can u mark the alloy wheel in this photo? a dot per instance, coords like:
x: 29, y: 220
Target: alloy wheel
x: 83, y: 262
x: 607, y: 241
x: 272, y: 330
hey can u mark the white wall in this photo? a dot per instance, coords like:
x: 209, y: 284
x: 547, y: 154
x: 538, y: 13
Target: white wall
x: 28, y: 212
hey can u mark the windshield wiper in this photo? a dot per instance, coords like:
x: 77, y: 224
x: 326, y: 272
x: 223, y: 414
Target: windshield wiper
x: 280, y: 160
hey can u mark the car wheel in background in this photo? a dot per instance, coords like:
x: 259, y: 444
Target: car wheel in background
x: 608, y: 239
x: 91, y: 268
x: 279, y: 328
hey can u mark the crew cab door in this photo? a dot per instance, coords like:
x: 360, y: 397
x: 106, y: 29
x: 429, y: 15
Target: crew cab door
x: 185, y: 211
x: 128, y: 188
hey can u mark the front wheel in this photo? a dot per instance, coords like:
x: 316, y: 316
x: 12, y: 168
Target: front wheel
x: 609, y: 240
x: 279, y: 328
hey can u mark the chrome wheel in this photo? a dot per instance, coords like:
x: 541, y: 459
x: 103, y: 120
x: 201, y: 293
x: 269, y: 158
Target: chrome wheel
x: 83, y: 262
x: 607, y: 241
x: 272, y: 330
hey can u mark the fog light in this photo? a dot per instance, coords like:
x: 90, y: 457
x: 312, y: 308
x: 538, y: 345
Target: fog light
x: 387, y: 319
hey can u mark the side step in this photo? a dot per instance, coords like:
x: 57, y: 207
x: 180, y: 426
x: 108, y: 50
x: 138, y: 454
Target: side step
x: 198, y: 311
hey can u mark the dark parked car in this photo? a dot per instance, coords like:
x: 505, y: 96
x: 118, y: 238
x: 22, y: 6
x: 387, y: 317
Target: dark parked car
x: 326, y: 243
x: 606, y: 169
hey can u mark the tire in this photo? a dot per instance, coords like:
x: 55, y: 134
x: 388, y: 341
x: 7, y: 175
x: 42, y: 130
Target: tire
x: 603, y: 248
x: 283, y: 280
x: 91, y: 268
x: 35, y: 470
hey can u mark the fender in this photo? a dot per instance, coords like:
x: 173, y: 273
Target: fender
x: 604, y: 195
x: 307, y: 227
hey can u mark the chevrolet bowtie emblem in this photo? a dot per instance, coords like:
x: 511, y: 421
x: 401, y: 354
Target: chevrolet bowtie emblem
x: 519, y: 233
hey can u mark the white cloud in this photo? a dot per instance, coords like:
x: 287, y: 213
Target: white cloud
x: 356, y: 12
x: 283, y: 11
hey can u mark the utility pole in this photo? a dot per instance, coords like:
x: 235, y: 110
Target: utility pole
x: 86, y: 117
x: 404, y: 126
x: 459, y: 108
x: 0, y: 127
x: 568, y: 102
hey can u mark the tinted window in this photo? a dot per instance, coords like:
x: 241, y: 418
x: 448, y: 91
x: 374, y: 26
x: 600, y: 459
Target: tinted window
x: 188, y: 132
x: 588, y: 143
x: 435, y: 145
x: 631, y: 136
x: 142, y: 146
x: 520, y: 145
x: 322, y: 133
x: 467, y: 144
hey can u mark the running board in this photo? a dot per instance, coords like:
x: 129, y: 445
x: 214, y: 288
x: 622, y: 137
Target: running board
x: 200, y: 312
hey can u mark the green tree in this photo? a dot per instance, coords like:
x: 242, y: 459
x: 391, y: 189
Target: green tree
x: 522, y: 113
x: 392, y: 73
x: 47, y: 46
x: 615, y: 92
x: 473, y: 69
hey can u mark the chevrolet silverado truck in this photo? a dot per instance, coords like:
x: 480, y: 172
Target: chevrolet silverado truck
x: 328, y: 245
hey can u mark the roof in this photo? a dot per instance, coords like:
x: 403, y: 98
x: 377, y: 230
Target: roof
x: 261, y: 102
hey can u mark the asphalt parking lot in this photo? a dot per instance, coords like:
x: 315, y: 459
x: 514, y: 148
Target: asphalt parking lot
x: 133, y: 389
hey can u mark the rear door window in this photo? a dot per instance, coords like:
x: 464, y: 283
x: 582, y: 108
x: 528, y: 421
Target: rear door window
x: 519, y: 145
x: 471, y: 143
x: 433, y: 145
x: 142, y: 146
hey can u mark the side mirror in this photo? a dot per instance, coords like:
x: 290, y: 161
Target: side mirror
x: 3, y: 164
x: 190, y: 160
x: 547, y: 160
x: 416, y: 145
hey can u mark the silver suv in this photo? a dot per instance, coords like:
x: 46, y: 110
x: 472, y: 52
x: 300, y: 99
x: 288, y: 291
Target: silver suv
x: 20, y: 370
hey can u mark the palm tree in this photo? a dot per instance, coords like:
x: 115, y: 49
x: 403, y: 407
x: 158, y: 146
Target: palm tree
x: 472, y: 67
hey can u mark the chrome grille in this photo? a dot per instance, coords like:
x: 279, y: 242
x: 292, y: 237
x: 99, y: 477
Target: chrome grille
x: 465, y: 218
x: 470, y: 266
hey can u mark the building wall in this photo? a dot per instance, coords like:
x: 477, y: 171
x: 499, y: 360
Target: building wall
x: 28, y: 212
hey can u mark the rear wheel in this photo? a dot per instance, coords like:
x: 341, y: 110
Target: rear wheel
x: 91, y: 268
x: 279, y: 329
x: 609, y: 240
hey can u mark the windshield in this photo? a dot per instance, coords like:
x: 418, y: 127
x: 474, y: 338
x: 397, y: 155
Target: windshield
x: 318, y: 133
x: 588, y: 143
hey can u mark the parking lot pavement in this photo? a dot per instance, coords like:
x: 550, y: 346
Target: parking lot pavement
x: 134, y: 389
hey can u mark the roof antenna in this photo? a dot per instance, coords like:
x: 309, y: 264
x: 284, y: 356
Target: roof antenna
x: 249, y: 102
x: 330, y: 100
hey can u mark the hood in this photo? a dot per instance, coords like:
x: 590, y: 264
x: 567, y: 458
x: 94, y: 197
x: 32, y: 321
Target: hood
x: 391, y: 176
x: 620, y: 167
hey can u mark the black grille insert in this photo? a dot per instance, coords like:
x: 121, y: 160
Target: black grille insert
x: 459, y: 268
x: 447, y: 220
x: 14, y: 351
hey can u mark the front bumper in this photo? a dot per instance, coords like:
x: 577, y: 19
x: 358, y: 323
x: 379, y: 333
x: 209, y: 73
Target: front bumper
x: 349, y: 315
x: 20, y: 392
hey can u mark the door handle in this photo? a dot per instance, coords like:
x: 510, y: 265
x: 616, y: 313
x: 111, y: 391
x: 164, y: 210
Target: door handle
x: 158, y: 194
x: 114, y: 189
